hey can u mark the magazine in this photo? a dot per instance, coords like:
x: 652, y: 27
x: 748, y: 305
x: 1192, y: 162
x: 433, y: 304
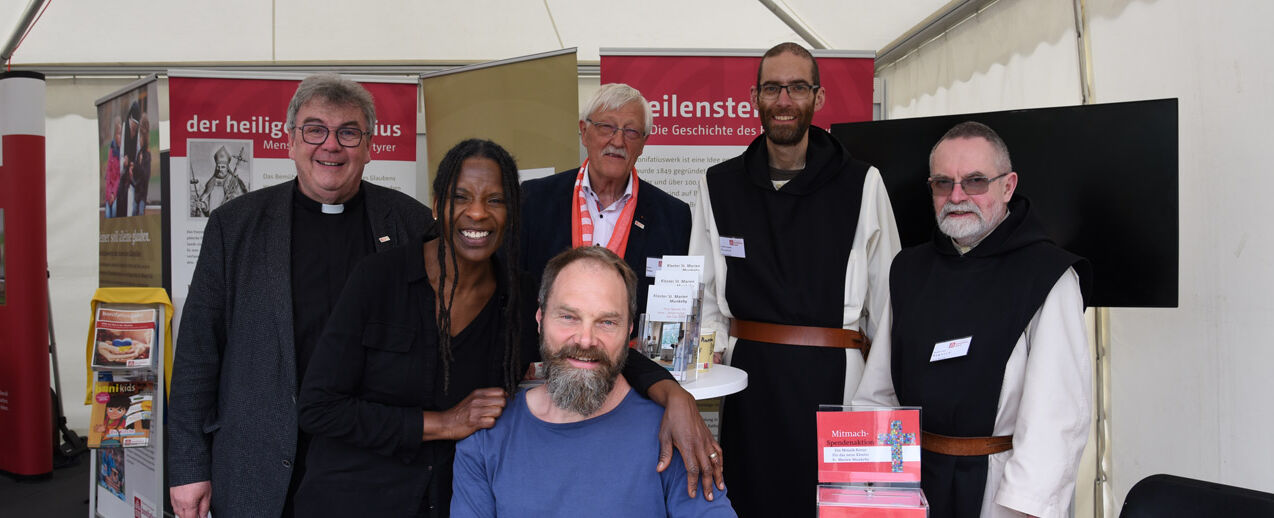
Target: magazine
x: 121, y: 414
x: 110, y: 471
x: 123, y: 338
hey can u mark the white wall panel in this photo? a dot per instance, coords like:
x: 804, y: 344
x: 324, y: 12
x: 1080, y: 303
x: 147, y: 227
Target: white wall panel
x: 1190, y: 385
x: 72, y: 187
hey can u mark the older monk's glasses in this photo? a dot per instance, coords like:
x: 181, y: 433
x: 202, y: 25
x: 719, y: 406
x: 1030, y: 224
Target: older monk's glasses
x: 942, y: 186
x: 797, y: 91
x: 316, y: 134
x: 608, y: 130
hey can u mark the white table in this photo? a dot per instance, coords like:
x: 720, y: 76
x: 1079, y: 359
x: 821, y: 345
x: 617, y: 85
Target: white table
x: 720, y: 380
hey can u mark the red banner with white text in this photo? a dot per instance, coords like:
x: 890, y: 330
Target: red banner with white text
x: 702, y: 106
x: 240, y: 121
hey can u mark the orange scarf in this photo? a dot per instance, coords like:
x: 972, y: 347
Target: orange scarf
x: 582, y: 223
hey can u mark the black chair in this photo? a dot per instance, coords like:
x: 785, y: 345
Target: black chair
x: 1166, y: 495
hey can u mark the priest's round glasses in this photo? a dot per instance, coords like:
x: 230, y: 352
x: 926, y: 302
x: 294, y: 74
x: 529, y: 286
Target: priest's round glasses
x: 797, y: 91
x: 942, y: 186
x: 608, y: 130
x: 345, y: 136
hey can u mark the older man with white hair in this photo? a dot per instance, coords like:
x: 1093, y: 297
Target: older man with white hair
x: 988, y: 338
x: 604, y: 203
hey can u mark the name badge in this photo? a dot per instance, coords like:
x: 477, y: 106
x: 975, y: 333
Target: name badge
x: 952, y: 349
x: 653, y: 264
x: 732, y: 247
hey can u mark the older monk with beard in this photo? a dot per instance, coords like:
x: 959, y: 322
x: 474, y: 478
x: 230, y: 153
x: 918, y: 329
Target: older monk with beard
x: 554, y: 446
x: 988, y: 338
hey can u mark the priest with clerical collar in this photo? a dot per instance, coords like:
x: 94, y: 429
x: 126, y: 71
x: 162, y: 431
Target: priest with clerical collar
x: 271, y: 267
x: 987, y: 337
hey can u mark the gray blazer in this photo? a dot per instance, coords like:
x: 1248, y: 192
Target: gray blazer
x: 232, y: 408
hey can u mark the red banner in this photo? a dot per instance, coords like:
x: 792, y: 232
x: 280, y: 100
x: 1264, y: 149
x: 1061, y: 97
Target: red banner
x: 702, y: 107
x: 256, y: 109
x: 242, y: 119
x: 706, y: 100
x: 26, y: 411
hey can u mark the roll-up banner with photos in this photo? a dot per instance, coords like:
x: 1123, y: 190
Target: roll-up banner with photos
x: 229, y: 137
x: 702, y: 106
x: 131, y: 240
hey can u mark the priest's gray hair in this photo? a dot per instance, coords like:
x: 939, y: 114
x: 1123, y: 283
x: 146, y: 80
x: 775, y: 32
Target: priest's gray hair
x: 333, y: 89
x: 613, y: 96
x: 970, y: 129
x: 598, y: 255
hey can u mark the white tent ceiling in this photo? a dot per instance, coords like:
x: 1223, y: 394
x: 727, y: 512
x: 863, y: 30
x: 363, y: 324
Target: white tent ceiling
x: 413, y: 31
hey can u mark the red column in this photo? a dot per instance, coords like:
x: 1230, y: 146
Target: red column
x: 26, y: 412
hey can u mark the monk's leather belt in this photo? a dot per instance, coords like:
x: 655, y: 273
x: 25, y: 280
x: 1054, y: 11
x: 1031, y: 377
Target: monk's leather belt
x: 966, y: 446
x: 800, y: 335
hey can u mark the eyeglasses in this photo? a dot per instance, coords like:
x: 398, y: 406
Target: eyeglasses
x: 345, y: 136
x: 942, y: 186
x: 608, y: 130
x: 797, y: 91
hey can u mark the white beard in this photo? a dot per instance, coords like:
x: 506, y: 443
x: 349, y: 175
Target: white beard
x: 964, y: 230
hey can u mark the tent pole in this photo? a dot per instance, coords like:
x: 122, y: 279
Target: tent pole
x: 28, y: 16
x: 794, y: 22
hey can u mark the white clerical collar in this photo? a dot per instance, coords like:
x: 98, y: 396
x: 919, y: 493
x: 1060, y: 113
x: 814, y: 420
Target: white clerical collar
x: 333, y: 209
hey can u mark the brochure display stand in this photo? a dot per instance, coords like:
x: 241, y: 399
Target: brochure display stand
x: 129, y: 354
x: 669, y: 330
x: 869, y: 462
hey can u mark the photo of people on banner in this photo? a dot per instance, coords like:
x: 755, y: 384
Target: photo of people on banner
x: 219, y: 171
x: 128, y: 154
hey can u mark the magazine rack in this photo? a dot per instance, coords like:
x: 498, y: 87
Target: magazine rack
x: 869, y: 462
x: 129, y: 359
x: 669, y: 330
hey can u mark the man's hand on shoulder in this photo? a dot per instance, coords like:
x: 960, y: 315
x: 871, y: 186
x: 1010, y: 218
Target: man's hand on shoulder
x: 191, y: 500
x: 684, y: 428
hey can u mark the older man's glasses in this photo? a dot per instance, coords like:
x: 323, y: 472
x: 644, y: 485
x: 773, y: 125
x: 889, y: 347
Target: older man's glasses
x: 608, y: 130
x: 797, y: 91
x: 316, y: 134
x: 942, y: 186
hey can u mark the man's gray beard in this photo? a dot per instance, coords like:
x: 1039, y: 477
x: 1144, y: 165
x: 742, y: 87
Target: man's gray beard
x: 961, y: 229
x: 581, y: 391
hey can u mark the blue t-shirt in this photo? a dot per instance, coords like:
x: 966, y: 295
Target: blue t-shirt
x: 604, y: 466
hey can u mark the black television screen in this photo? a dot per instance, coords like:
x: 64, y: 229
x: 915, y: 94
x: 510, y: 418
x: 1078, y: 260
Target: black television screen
x: 1102, y: 177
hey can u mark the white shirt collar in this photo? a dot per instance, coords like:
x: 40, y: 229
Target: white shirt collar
x: 587, y: 187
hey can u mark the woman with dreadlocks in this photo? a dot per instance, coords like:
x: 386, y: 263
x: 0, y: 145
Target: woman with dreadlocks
x: 420, y: 351
x: 423, y: 348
